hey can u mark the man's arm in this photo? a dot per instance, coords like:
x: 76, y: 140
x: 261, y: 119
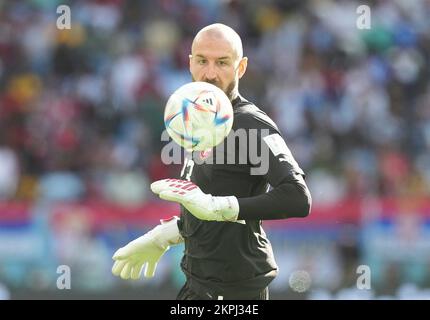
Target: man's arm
x: 290, y: 196
x: 291, y: 199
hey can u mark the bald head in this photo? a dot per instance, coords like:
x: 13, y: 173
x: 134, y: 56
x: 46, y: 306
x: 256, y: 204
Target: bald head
x: 219, y: 32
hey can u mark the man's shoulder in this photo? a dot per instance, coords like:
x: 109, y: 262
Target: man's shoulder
x: 247, y: 115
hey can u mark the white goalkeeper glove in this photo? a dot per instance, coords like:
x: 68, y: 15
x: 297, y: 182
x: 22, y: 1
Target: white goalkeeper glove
x: 146, y: 250
x: 203, y: 206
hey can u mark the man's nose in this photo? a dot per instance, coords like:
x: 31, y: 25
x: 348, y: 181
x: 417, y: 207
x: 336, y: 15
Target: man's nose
x: 210, y: 72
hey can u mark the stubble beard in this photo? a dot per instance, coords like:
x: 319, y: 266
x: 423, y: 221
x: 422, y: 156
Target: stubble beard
x: 230, y: 91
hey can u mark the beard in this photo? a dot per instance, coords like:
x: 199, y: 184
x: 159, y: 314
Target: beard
x: 230, y: 91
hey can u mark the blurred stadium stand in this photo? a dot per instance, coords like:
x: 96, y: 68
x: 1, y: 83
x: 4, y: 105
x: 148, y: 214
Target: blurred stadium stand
x: 81, y: 118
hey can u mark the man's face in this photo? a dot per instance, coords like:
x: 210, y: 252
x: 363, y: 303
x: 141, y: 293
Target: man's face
x: 215, y: 61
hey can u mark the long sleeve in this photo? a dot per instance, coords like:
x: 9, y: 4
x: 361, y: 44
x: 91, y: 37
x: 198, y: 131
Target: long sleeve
x: 291, y: 199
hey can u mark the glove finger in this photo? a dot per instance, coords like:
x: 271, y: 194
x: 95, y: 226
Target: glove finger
x: 120, y: 254
x: 171, y: 196
x: 137, y: 270
x: 150, y: 269
x: 160, y: 185
x: 118, y: 266
x: 125, y: 273
x: 171, y: 184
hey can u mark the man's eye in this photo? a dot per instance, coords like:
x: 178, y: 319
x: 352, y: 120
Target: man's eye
x: 201, y: 61
x: 222, y: 63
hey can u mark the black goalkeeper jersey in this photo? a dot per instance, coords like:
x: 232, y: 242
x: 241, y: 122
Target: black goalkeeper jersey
x: 235, y: 259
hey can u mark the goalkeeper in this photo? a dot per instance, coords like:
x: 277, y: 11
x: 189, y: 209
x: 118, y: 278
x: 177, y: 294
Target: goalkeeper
x: 227, y: 254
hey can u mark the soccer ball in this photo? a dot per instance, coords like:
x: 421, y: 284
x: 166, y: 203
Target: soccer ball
x: 198, y: 116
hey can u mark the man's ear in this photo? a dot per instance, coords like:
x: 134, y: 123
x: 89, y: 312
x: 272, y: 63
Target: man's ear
x: 189, y: 64
x: 243, y: 63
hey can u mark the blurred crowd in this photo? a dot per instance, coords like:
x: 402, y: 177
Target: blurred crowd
x: 81, y: 110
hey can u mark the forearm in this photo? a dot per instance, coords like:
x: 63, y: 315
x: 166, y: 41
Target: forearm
x: 288, y: 200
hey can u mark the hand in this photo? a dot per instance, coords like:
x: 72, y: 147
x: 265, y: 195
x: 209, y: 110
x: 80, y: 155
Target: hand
x: 146, y: 250
x: 203, y: 206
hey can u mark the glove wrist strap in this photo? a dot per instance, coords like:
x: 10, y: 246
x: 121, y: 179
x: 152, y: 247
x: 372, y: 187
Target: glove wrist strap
x: 167, y: 233
x: 227, y: 208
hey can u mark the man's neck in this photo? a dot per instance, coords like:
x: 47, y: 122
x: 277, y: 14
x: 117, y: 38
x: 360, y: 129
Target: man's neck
x: 234, y: 94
